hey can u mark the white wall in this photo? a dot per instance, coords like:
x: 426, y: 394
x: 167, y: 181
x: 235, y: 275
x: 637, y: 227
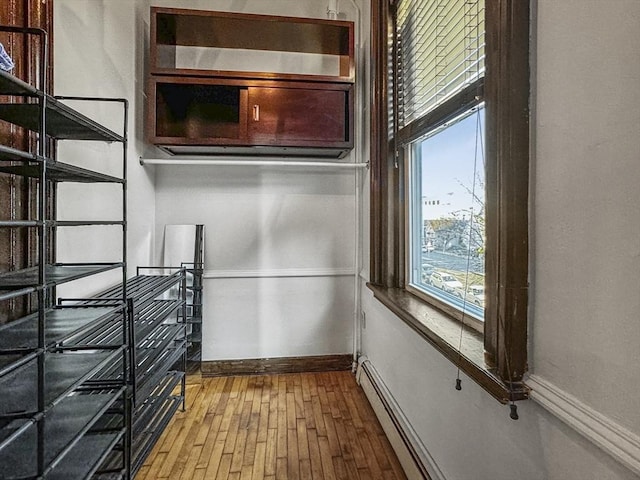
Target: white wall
x: 280, y: 243
x: 587, y: 215
x: 278, y: 256
x: 97, y: 53
x: 585, y: 287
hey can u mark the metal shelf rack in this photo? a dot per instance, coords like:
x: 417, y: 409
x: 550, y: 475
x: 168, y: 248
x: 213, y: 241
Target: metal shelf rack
x: 194, y: 291
x: 156, y: 304
x: 61, y: 414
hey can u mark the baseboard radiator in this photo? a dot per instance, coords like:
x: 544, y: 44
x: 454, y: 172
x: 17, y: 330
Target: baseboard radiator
x: 418, y: 464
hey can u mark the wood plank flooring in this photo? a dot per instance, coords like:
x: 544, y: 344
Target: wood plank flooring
x: 293, y: 426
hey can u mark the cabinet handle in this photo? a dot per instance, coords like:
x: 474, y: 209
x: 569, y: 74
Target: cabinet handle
x: 256, y: 113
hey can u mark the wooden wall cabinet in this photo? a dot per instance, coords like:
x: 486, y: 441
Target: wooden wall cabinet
x: 219, y: 115
x: 209, y: 91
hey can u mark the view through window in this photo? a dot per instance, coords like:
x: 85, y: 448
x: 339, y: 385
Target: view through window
x: 447, y: 211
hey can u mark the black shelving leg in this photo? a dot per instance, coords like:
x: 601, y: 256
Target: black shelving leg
x: 183, y: 386
x: 42, y: 298
x: 128, y: 437
x: 184, y: 355
x: 130, y: 316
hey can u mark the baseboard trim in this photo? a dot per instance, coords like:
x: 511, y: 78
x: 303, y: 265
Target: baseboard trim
x: 617, y: 441
x: 259, y: 366
x: 412, y: 453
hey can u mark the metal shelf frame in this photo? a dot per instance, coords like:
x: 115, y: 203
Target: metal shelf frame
x: 194, y: 291
x: 65, y: 426
x: 57, y: 390
x: 156, y: 305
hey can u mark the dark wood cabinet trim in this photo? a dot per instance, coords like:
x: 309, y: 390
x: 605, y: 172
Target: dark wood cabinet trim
x: 179, y: 72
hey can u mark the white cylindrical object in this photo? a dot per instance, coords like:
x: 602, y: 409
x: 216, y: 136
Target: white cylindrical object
x: 249, y: 163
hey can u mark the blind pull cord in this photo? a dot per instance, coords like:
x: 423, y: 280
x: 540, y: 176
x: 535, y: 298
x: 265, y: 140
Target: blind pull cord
x: 478, y: 146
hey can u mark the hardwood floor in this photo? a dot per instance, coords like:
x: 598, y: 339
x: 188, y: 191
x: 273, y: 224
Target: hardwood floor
x: 293, y: 426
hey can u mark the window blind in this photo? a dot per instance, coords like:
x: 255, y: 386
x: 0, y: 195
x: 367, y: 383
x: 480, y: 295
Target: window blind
x: 440, y: 50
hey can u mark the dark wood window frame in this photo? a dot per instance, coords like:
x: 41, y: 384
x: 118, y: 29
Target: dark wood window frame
x: 497, y: 361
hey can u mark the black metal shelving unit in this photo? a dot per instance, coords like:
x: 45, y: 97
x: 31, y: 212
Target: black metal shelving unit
x: 63, y: 409
x: 194, y: 274
x: 156, y: 306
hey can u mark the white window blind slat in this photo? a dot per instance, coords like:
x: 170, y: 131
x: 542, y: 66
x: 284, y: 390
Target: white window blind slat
x: 440, y: 50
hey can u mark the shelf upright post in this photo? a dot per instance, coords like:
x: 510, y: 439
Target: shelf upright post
x: 129, y: 400
x: 198, y: 285
x: 125, y: 143
x: 183, y: 383
x: 128, y: 319
x: 130, y: 313
x: 42, y: 248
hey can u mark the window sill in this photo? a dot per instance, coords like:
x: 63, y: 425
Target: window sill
x: 443, y: 333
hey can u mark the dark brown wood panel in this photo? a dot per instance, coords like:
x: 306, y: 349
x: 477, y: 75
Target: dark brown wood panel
x: 379, y: 183
x: 204, y: 28
x: 284, y: 116
x: 255, y: 33
x: 277, y: 365
x: 507, y: 219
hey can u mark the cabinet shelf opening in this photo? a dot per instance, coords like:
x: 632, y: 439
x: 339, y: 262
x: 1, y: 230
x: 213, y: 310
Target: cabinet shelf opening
x: 218, y: 41
x: 200, y: 111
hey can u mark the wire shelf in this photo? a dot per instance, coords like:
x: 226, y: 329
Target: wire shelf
x: 63, y: 372
x: 86, y: 458
x: 11, y: 85
x: 55, y: 274
x: 64, y: 427
x: 147, y: 438
x: 145, y: 412
x: 61, y: 172
x: 63, y: 122
x: 63, y: 324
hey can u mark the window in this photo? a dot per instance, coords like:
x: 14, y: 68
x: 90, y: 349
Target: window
x: 449, y: 180
x: 446, y: 212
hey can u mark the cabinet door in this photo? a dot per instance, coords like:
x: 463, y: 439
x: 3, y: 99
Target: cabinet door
x: 298, y: 116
